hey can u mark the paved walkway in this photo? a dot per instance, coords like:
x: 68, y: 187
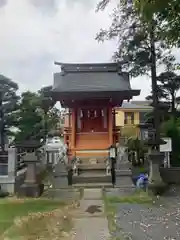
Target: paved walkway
x: 90, y: 222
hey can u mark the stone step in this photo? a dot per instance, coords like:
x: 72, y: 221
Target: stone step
x: 124, y: 181
x: 92, y: 160
x: 91, y: 178
x: 63, y: 194
x: 87, y: 166
x: 123, y: 172
x: 92, y: 173
x: 92, y: 185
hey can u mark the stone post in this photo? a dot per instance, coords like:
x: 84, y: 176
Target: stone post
x: 12, y: 162
x: 31, y: 186
x: 60, y: 176
x: 156, y: 184
x: 123, y: 172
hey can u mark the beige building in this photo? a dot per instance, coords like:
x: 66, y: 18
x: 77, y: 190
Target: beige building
x: 130, y: 114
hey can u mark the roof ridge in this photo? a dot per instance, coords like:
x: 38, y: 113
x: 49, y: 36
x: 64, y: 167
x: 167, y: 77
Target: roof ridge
x: 89, y: 67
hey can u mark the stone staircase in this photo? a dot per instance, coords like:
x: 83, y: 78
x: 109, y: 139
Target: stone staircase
x: 92, y: 172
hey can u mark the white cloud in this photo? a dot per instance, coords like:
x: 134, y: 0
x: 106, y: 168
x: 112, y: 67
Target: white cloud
x: 35, y: 33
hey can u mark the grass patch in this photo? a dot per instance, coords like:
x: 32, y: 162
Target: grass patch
x: 138, y: 197
x: 12, y: 208
x: 55, y: 224
x: 110, y: 211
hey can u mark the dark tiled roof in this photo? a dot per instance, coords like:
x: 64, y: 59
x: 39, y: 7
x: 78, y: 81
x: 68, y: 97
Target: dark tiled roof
x: 129, y: 105
x: 89, y: 67
x: 91, y: 78
x: 142, y: 102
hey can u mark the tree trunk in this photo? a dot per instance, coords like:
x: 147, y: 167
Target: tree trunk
x: 174, y: 138
x: 45, y: 127
x: 154, y: 84
x: 173, y: 110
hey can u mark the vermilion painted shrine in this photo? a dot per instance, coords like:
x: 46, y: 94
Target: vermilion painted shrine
x: 91, y: 92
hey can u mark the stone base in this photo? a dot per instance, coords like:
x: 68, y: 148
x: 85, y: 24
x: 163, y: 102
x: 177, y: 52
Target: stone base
x: 3, y: 194
x: 31, y: 190
x: 60, y: 181
x: 158, y: 188
x: 123, y: 178
x: 63, y: 194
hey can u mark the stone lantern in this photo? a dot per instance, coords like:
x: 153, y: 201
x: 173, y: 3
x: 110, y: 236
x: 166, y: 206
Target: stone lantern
x: 156, y: 184
x: 32, y: 187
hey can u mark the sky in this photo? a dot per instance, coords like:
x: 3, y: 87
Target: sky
x: 35, y: 33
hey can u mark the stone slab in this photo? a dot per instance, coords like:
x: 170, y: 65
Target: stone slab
x: 64, y: 194
x: 95, y: 193
x: 90, y: 222
x: 91, y: 229
x: 60, y: 181
x: 90, y: 208
x: 120, y: 192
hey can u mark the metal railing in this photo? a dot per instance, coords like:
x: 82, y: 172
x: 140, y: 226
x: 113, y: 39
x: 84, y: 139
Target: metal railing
x: 20, y: 164
x: 46, y: 157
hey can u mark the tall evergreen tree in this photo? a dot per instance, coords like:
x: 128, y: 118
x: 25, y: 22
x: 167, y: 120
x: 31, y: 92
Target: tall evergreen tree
x: 8, y: 107
x: 167, y: 12
x: 33, y: 114
x: 140, y: 49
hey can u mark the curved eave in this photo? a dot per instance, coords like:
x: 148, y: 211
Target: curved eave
x: 116, y: 97
x: 124, y: 94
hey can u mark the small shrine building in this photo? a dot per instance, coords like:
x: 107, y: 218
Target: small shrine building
x: 90, y: 92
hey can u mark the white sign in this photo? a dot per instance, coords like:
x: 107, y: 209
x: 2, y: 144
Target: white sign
x: 166, y: 147
x: 112, y: 152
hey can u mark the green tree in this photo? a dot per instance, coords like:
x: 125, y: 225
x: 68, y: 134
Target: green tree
x: 171, y: 129
x: 140, y: 49
x: 166, y: 12
x: 47, y: 104
x: 8, y: 107
x: 136, y: 146
x: 34, y: 115
x: 169, y: 82
x: 168, y: 87
x: 29, y: 117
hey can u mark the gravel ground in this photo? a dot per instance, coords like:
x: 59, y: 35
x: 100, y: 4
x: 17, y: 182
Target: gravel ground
x: 149, y: 222
x: 141, y: 222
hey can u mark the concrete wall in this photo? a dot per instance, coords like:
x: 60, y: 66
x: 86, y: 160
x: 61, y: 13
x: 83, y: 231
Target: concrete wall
x: 12, y: 184
x: 127, y: 129
x: 10, y: 181
x: 119, y: 119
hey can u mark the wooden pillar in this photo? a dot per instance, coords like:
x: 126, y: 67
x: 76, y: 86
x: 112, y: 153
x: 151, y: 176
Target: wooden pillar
x: 69, y: 118
x: 114, y: 125
x: 110, y: 126
x: 73, y: 135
